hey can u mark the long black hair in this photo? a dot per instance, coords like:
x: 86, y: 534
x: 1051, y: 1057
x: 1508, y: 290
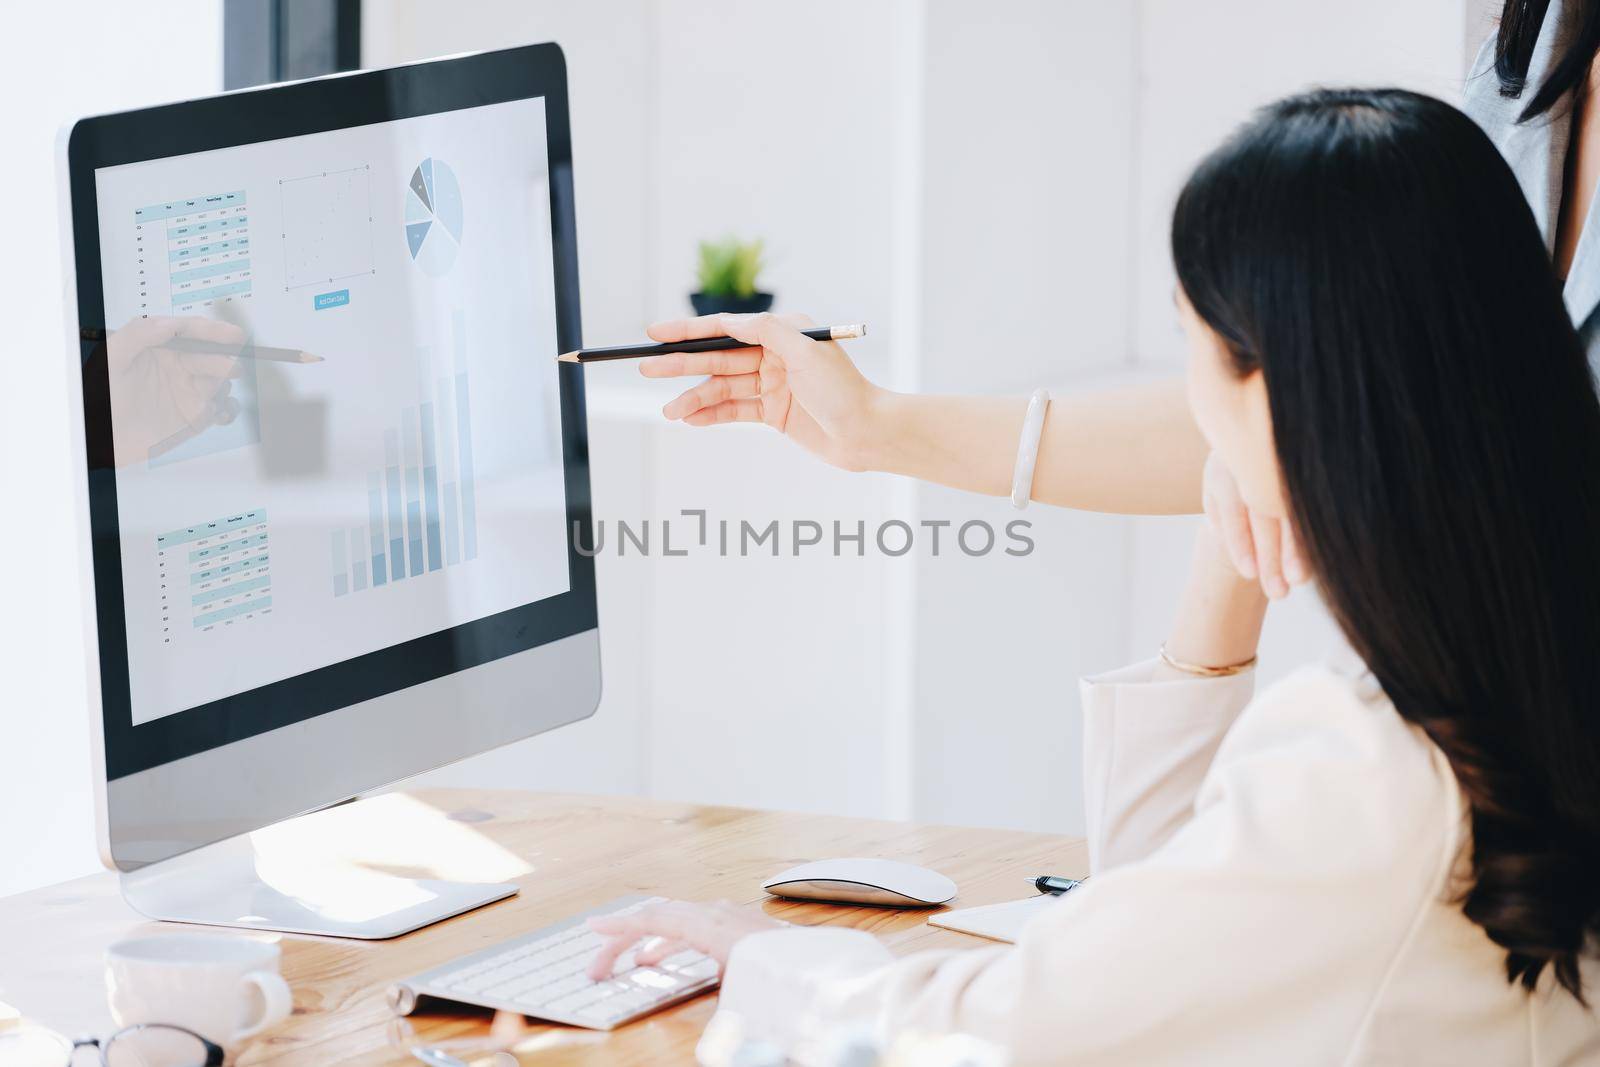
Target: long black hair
x: 1520, y: 24
x: 1370, y: 253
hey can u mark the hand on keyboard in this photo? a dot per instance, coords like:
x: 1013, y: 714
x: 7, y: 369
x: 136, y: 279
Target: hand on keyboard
x: 545, y: 974
x: 712, y: 929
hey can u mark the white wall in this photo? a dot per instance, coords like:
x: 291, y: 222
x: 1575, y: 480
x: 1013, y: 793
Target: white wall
x: 1205, y: 67
x: 988, y: 185
x: 65, y: 61
x: 1027, y: 214
x: 1031, y: 119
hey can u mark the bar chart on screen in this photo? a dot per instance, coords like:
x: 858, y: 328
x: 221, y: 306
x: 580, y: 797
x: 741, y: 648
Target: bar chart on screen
x: 421, y: 505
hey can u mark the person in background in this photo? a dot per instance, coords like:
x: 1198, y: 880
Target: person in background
x: 1394, y: 859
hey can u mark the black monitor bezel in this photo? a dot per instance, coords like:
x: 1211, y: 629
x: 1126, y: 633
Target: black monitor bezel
x: 269, y: 114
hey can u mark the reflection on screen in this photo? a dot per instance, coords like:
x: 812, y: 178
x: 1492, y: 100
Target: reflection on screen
x: 335, y: 411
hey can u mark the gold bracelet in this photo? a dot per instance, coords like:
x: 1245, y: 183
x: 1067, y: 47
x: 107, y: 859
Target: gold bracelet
x: 1206, y: 672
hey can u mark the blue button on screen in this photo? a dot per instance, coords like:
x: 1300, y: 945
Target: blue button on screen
x: 337, y: 298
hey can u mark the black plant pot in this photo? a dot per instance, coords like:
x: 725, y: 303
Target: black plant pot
x: 716, y: 303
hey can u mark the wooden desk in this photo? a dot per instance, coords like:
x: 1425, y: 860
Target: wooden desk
x: 568, y: 853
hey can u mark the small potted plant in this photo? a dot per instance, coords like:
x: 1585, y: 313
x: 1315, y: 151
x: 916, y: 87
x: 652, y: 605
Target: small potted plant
x: 728, y: 272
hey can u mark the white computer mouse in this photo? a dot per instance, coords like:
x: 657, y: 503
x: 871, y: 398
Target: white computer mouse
x: 887, y: 883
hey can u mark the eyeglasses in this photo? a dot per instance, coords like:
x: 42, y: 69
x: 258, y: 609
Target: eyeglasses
x: 145, y: 1045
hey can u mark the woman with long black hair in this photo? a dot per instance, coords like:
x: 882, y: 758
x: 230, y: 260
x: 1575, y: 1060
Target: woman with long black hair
x: 1390, y: 861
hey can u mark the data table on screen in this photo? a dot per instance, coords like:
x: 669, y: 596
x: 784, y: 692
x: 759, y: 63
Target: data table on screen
x: 215, y: 573
x: 192, y: 253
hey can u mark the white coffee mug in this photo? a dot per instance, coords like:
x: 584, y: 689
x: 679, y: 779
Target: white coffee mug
x: 226, y: 989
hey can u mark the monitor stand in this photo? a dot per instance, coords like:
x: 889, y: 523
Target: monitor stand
x: 229, y: 884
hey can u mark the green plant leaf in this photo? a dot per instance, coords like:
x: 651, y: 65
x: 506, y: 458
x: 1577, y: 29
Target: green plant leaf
x: 730, y: 267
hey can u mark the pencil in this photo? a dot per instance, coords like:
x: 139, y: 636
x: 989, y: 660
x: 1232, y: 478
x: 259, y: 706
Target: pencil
x: 707, y: 344
x: 265, y: 353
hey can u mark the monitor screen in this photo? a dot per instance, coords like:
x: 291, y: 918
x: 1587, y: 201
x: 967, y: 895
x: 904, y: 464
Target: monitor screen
x: 335, y: 416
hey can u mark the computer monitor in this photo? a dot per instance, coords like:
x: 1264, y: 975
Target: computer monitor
x: 332, y: 479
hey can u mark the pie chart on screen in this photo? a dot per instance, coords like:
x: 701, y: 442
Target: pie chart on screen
x: 433, y: 216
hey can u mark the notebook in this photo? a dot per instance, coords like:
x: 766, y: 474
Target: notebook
x: 998, y: 922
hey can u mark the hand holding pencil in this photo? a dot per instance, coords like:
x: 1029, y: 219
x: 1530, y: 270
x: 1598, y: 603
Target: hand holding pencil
x: 171, y: 379
x: 805, y: 388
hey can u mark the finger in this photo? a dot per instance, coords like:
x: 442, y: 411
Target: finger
x: 669, y: 331
x: 679, y: 364
x: 673, y: 921
x: 766, y: 330
x: 1268, y: 540
x: 215, y: 330
x: 657, y: 950
x: 727, y: 411
x: 209, y: 365
x: 142, y: 332
x: 711, y: 392
x: 605, y: 958
x: 135, y: 337
x: 1295, y: 568
x: 695, y: 329
x: 199, y: 402
x: 217, y: 395
x: 1232, y: 522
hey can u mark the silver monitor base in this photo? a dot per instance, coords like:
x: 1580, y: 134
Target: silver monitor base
x: 224, y: 886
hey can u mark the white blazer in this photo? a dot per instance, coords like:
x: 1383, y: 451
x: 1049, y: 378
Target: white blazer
x: 1272, y: 885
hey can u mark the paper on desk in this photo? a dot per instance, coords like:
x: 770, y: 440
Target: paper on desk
x: 998, y: 922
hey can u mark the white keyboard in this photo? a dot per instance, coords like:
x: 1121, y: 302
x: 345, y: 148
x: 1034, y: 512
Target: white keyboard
x: 545, y: 974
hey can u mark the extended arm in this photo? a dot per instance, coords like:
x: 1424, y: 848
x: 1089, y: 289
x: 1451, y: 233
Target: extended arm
x: 1132, y: 450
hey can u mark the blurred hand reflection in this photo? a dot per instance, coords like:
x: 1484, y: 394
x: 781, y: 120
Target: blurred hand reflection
x: 162, y: 397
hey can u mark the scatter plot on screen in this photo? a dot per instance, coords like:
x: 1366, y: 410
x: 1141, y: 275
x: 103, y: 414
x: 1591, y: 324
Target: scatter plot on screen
x: 327, y: 226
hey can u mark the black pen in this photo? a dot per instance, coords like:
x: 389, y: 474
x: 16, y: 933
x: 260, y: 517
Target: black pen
x: 705, y: 344
x: 1055, y: 884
